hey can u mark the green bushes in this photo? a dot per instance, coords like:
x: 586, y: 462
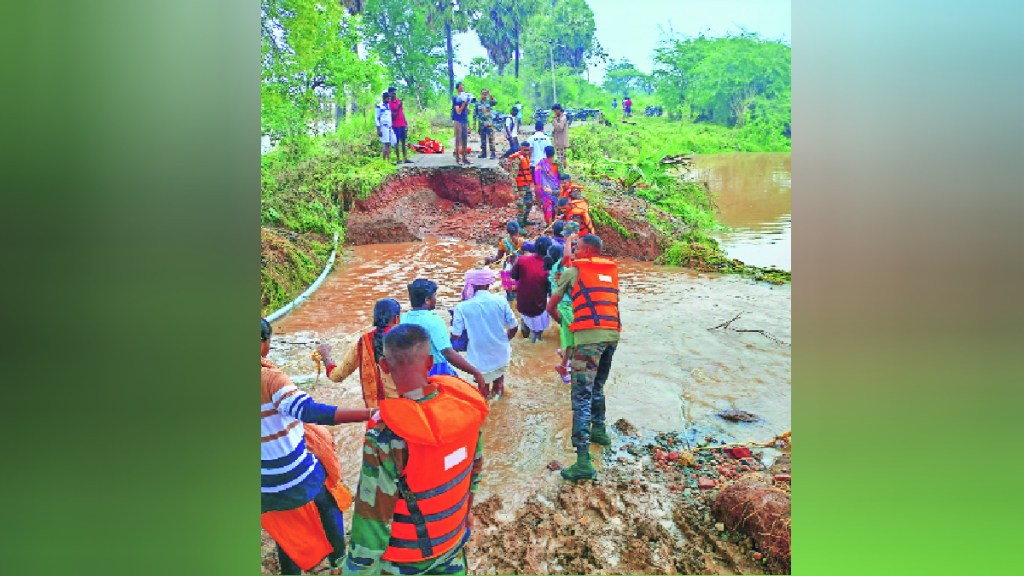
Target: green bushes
x: 627, y: 159
x: 305, y: 190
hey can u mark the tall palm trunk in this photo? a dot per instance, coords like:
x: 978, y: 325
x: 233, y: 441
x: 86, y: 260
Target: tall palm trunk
x: 451, y: 57
x: 517, y: 49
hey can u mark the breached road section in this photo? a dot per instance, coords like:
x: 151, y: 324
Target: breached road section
x: 475, y: 203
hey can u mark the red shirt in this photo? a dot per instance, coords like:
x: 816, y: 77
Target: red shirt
x: 532, y: 293
x: 397, y: 113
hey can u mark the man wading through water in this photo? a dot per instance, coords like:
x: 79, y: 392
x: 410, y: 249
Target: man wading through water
x: 422, y: 462
x: 422, y: 297
x: 592, y: 283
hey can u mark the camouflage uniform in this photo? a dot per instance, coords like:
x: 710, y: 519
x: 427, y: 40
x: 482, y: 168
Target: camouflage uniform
x: 590, y: 366
x: 485, y: 126
x: 591, y: 362
x: 385, y: 456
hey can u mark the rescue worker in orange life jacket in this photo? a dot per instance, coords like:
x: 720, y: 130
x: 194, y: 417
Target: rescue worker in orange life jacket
x: 578, y: 210
x: 421, y: 465
x: 592, y: 283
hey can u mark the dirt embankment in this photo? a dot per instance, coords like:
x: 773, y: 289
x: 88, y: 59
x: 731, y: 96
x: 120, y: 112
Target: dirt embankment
x: 655, y: 509
x: 475, y: 204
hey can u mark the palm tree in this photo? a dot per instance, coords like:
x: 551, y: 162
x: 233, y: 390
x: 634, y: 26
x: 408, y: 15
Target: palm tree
x: 454, y: 16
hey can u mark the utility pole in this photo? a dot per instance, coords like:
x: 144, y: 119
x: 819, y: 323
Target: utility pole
x: 554, y: 93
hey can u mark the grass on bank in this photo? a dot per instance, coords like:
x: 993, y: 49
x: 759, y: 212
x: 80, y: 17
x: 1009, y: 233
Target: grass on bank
x: 306, y: 187
x: 309, y: 185
x: 625, y: 158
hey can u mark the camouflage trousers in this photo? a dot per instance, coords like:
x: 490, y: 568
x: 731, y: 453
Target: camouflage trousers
x: 590, y: 366
x: 487, y: 137
x: 453, y: 562
x: 525, y: 203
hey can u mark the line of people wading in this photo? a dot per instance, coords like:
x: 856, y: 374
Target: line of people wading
x: 422, y: 450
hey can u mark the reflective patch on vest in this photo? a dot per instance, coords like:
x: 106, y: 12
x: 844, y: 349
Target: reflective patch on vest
x: 604, y: 278
x: 453, y: 459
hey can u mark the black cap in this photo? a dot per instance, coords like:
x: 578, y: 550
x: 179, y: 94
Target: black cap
x: 423, y: 288
x: 265, y: 329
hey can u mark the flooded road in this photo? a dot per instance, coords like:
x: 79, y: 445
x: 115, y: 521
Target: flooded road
x: 753, y: 192
x: 669, y: 373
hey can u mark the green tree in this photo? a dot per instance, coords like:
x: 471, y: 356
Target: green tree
x: 308, y: 59
x: 565, y: 32
x: 479, y: 67
x: 724, y: 80
x: 451, y: 16
x: 498, y: 24
x: 622, y: 77
x: 397, y: 32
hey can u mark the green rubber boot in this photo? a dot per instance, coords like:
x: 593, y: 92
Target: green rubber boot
x: 599, y: 435
x: 583, y: 469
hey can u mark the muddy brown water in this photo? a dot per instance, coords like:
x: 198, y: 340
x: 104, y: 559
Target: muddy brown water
x: 753, y: 192
x: 670, y: 372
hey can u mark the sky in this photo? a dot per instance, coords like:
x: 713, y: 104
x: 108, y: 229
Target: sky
x: 631, y: 28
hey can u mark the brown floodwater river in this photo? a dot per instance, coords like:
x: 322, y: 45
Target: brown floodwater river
x: 753, y: 194
x: 670, y: 371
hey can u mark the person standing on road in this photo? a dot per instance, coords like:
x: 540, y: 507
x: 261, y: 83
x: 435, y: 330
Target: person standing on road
x: 385, y: 130
x: 490, y: 324
x: 538, y: 141
x: 400, y: 125
x: 511, y: 133
x: 460, y: 118
x: 627, y: 106
x: 592, y: 283
x: 560, y: 134
x: 485, y: 123
x: 615, y: 104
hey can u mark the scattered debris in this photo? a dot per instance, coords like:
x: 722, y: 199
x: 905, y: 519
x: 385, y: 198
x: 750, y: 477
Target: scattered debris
x: 737, y: 416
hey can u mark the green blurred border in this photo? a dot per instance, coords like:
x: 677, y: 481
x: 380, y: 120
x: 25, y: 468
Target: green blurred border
x: 130, y: 161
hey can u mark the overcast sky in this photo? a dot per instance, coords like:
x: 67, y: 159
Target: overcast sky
x: 631, y: 28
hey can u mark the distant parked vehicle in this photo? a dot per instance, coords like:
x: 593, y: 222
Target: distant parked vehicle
x: 652, y: 111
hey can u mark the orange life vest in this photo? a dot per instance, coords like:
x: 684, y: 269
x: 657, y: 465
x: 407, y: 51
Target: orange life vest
x: 595, y: 295
x: 524, y: 177
x: 579, y: 210
x: 566, y: 191
x: 442, y: 434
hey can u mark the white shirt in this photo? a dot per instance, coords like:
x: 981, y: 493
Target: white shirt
x: 510, y: 127
x: 538, y: 142
x: 383, y: 116
x: 487, y: 318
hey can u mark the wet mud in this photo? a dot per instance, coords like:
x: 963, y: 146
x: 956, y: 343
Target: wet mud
x: 474, y: 204
x: 670, y: 373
